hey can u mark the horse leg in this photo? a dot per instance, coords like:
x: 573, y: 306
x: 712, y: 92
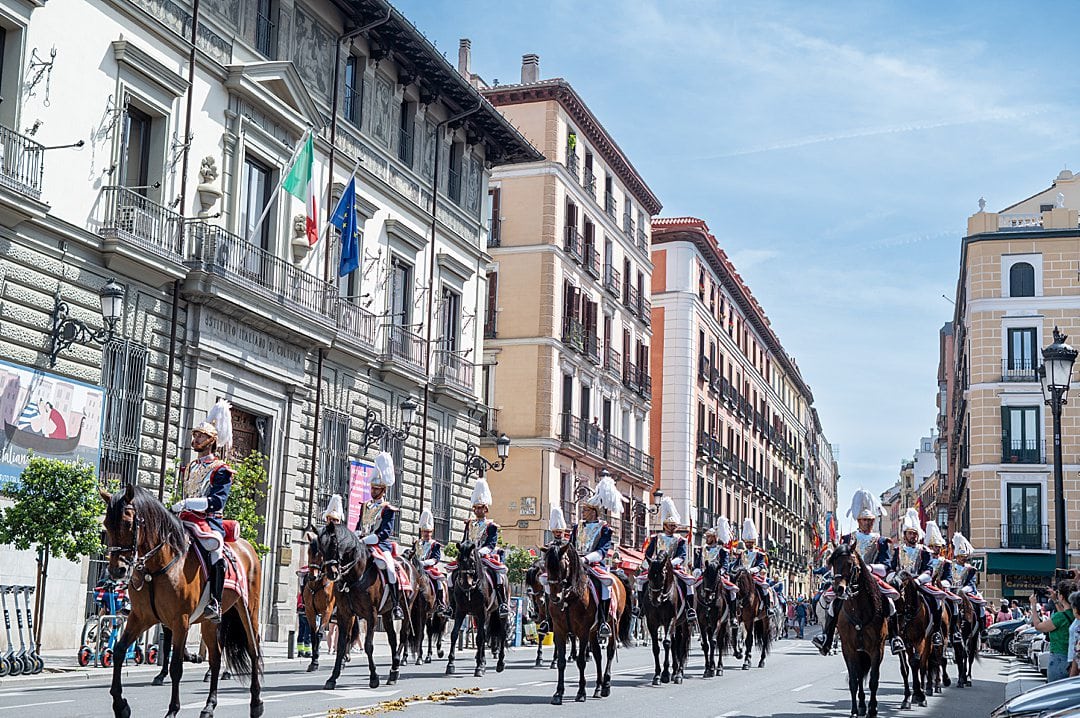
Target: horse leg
x: 164, y: 653
x: 599, y: 661
x: 132, y: 630
x: 764, y: 629
x: 369, y: 650
x: 680, y: 647
x: 395, y: 662
x: 500, y: 665
x: 213, y: 655
x: 176, y: 670
x: 539, y: 649
x: 656, y: 654
x: 344, y: 637
x: 875, y: 676
x: 905, y: 673
x: 481, y: 640
x: 862, y: 690
x: 854, y: 686
x: 665, y: 675
x: 573, y: 648
x: 605, y: 689
x: 736, y: 649
x: 458, y: 618
x: 582, y: 661
x: 748, y: 645
x: 560, y: 659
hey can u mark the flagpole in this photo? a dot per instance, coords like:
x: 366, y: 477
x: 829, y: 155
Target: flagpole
x: 352, y: 176
x: 274, y: 198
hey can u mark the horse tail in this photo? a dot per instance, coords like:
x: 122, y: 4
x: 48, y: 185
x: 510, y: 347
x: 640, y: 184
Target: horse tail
x: 232, y: 638
x: 625, y: 622
x: 763, y: 635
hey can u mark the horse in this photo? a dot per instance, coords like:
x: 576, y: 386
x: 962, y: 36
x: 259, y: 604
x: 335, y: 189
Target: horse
x: 166, y: 652
x: 969, y: 631
x: 423, y: 617
x: 861, y: 625
x: 150, y: 548
x: 573, y: 612
x: 319, y: 601
x: 939, y: 666
x: 914, y: 623
x: 359, y: 592
x: 713, y: 613
x: 752, y: 616
x: 538, y: 598
x: 472, y: 594
x: 662, y: 605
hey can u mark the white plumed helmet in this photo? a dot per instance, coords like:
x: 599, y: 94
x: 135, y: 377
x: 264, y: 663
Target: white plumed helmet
x: 864, y: 505
x: 911, y: 523
x: 606, y: 496
x: 334, y: 509
x: 218, y: 424
x: 723, y: 530
x: 749, y: 530
x: 427, y: 521
x: 668, y: 513
x: 384, y: 470
x: 961, y: 546
x: 933, y: 535
x: 557, y: 522
x: 481, y: 494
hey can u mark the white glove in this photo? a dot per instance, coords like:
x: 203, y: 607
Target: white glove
x: 878, y: 569
x: 179, y: 506
x: 485, y: 551
x: 200, y: 503
x: 924, y: 578
x: 676, y: 562
x: 430, y: 562
x: 371, y: 539
x: 697, y: 572
x: 755, y: 570
x: 594, y: 557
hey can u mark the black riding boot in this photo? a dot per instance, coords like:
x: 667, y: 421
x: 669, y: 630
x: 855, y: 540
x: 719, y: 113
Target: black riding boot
x: 896, y: 643
x: 691, y: 614
x: 216, y: 578
x: 395, y: 596
x: 500, y: 597
x: 603, y: 615
x: 636, y: 610
x: 442, y: 605
x: 936, y: 640
x: 956, y: 636
x: 823, y: 641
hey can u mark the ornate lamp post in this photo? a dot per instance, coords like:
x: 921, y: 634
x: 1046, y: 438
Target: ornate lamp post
x: 477, y: 465
x: 375, y: 430
x: 1055, y: 375
x: 66, y: 330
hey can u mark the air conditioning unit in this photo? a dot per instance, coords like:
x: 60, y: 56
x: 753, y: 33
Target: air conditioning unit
x: 137, y: 222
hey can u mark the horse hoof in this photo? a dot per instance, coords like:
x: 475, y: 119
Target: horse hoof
x: 538, y: 663
x: 761, y: 664
x: 579, y: 698
x: 374, y: 682
x: 500, y: 667
x: 206, y: 713
x: 554, y: 663
x: 746, y: 666
x: 330, y: 685
x: 158, y: 681
x: 427, y: 660
x: 450, y: 669
x: 656, y: 680
x: 313, y: 666
x: 665, y: 678
x: 605, y: 691
x: 556, y: 700
x: 905, y: 706
x: 439, y: 653
x: 922, y: 703
x: 596, y: 693
x: 677, y: 680
x: 124, y: 711
x: 478, y: 673
x: 392, y: 680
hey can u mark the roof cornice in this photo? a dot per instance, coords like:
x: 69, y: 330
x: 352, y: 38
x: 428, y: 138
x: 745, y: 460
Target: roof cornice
x: 559, y: 90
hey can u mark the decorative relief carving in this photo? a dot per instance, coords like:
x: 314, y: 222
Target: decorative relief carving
x: 381, y: 111
x: 312, y: 53
x: 177, y: 19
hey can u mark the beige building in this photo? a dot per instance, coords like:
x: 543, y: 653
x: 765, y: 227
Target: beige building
x: 568, y: 336
x: 1018, y: 280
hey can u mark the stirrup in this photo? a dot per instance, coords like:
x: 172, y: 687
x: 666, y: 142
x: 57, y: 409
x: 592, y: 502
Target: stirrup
x: 936, y: 640
x: 544, y: 627
x: 605, y: 630
x: 821, y: 644
x: 691, y: 614
x: 212, y: 612
x: 896, y: 645
x: 504, y: 610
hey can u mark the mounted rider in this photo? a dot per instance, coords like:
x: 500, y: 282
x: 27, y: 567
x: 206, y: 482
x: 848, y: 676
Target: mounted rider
x: 675, y: 546
x: 207, y: 483
x: 428, y: 552
x: 717, y: 541
x: 914, y: 558
x: 376, y: 525
x: 592, y: 539
x: 559, y: 533
x: 334, y: 513
x: 967, y: 577
x: 875, y: 552
x: 484, y: 533
x: 941, y: 574
x: 754, y: 560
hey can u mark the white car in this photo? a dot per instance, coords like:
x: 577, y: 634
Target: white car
x: 1038, y: 645
x: 1043, y: 661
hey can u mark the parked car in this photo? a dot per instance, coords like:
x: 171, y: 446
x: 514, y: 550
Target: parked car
x: 1038, y: 644
x: 1042, y: 701
x: 1043, y: 661
x: 1000, y: 635
x: 1021, y: 642
x: 1067, y: 713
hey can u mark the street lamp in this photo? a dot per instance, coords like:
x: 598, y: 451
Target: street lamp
x: 66, y: 330
x: 641, y: 508
x: 375, y: 430
x: 477, y: 465
x: 1055, y: 374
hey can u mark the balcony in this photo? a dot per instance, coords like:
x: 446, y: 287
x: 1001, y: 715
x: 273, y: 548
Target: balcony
x: 646, y: 312
x: 490, y: 327
x: 613, y: 362
x: 591, y: 259
x: 714, y: 380
x: 628, y: 226
x: 612, y: 280
x: 489, y: 422
x: 703, y: 367
x: 572, y: 243
x: 453, y: 185
x: 357, y: 325
x: 1023, y: 451
x: 22, y: 163
x: 572, y: 163
x: 140, y: 234
x: 630, y: 375
x: 642, y: 240
x: 494, y: 238
x: 589, y: 182
x: 632, y: 299
x: 573, y: 334
x: 592, y: 441
x: 1020, y: 370
x: 455, y: 372
x: 405, y: 145
x: 609, y: 204
x: 406, y: 349
x: 592, y: 346
x: 265, y: 34
x: 1025, y: 536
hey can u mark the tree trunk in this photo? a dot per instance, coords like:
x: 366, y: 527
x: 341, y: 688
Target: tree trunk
x: 39, y: 597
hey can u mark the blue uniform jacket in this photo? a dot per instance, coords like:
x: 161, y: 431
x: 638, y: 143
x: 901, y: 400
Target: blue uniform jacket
x: 946, y: 569
x: 384, y: 530
x: 722, y: 558
x: 922, y: 564
x: 601, y: 543
x: 434, y: 551
x: 217, y: 493
x: 490, y: 538
x: 679, y: 552
x: 968, y: 576
x: 884, y: 552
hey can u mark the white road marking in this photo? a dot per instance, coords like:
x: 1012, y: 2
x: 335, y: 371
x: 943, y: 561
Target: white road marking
x: 531, y: 683
x: 31, y: 705
x: 729, y: 714
x: 801, y: 688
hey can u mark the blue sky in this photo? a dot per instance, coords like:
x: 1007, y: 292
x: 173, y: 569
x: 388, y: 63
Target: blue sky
x: 835, y: 149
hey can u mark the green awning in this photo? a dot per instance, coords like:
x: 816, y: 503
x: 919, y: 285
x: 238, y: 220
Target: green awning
x: 1021, y: 564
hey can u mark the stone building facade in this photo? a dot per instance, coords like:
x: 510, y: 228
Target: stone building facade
x: 219, y: 304
x: 1017, y: 281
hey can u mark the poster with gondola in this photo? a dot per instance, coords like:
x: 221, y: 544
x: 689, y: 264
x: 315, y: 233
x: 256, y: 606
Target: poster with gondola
x: 47, y: 415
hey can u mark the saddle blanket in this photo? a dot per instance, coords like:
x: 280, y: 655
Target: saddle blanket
x: 600, y: 571
x: 402, y: 575
x: 728, y: 585
x: 435, y: 571
x: 680, y: 574
x: 886, y: 590
x: 976, y: 597
x: 235, y: 573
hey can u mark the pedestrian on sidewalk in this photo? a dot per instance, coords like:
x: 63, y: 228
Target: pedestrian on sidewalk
x: 800, y: 616
x: 1003, y: 614
x: 1074, y: 635
x: 1056, y: 629
x: 303, y: 629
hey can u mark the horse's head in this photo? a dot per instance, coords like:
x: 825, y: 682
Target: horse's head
x: 661, y: 575
x: 339, y: 550
x: 563, y: 571
x: 467, y: 574
x: 121, y: 531
x: 847, y: 567
x: 710, y: 580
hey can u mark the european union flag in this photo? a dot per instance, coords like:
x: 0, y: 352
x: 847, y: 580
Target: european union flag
x: 344, y: 218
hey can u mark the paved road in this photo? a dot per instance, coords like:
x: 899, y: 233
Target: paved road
x: 796, y: 682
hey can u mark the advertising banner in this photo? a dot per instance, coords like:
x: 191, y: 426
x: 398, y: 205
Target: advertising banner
x: 360, y: 473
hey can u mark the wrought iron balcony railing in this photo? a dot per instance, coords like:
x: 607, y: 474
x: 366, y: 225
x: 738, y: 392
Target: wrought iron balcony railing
x: 453, y: 370
x: 22, y: 163
x: 406, y: 347
x: 1023, y: 451
x: 1018, y: 370
x: 130, y: 217
x: 1030, y: 536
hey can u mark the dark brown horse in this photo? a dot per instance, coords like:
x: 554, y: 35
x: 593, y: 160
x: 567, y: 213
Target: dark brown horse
x: 753, y: 615
x: 915, y: 624
x: 573, y: 612
x: 861, y: 624
x: 423, y: 617
x: 359, y: 596
x: 969, y: 632
x: 664, y: 609
x: 472, y: 594
x: 319, y: 601
x: 538, y: 599
x: 150, y: 547
x: 713, y: 612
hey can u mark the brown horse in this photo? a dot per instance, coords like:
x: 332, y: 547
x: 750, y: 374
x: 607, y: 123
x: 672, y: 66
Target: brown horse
x: 861, y: 625
x: 359, y: 592
x: 915, y: 624
x: 969, y: 631
x: 538, y: 597
x: 573, y: 612
x: 714, y: 612
x: 423, y: 616
x: 753, y: 615
x: 663, y: 607
x: 319, y: 601
x: 150, y: 547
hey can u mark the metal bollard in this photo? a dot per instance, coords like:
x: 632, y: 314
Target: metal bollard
x: 292, y: 644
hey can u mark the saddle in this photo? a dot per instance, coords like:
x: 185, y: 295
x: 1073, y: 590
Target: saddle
x: 235, y: 573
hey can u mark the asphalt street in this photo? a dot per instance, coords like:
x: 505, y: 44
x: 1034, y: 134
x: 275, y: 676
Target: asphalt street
x: 796, y: 682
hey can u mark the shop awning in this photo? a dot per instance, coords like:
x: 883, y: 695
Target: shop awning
x: 630, y: 559
x: 1021, y: 564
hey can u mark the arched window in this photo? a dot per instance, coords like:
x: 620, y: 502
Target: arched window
x: 1021, y: 280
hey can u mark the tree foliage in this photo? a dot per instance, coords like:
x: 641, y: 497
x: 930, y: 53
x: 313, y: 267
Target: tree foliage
x: 518, y: 560
x: 57, y: 509
x: 248, y: 490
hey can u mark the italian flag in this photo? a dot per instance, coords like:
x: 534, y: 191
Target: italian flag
x: 299, y: 183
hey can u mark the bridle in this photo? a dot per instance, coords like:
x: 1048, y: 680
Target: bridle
x: 334, y: 570
x: 656, y: 593
x: 566, y: 580
x: 467, y: 569
x: 137, y: 567
x: 851, y: 580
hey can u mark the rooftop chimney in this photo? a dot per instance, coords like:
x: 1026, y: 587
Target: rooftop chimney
x: 530, y: 68
x: 464, y: 57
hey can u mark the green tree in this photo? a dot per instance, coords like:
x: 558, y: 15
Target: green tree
x: 450, y: 550
x: 56, y: 510
x: 248, y: 490
x: 518, y: 561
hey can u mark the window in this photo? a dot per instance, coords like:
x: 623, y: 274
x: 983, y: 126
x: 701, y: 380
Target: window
x: 495, y: 221
x: 453, y: 183
x: 123, y: 375
x: 566, y: 496
x: 442, y: 478
x: 405, y: 133
x: 400, y: 292
x: 254, y: 196
x: 1022, y: 352
x: 334, y: 458
x: 353, y: 104
x: 396, y: 449
x: 1024, y: 528
x: 451, y: 316
x: 1020, y: 435
x: 1021, y: 280
x: 491, y: 313
x: 135, y: 162
x: 265, y: 27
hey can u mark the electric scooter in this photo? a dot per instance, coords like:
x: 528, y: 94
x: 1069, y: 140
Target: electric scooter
x: 12, y: 663
x: 22, y: 656
x: 38, y: 661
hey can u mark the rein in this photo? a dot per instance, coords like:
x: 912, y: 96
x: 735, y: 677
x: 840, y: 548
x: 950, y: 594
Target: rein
x: 137, y: 569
